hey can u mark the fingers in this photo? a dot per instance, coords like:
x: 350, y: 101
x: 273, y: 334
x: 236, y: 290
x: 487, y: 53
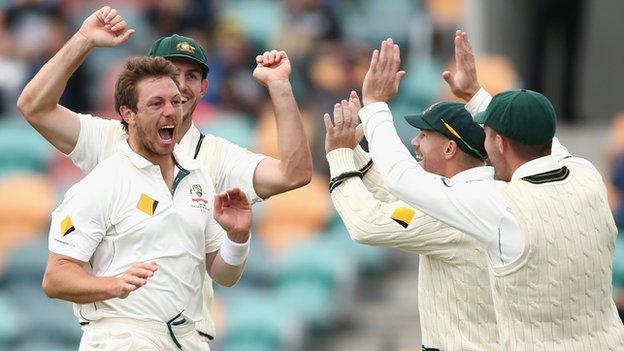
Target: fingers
x: 374, y: 61
x: 347, y: 112
x: 328, y: 123
x: 338, y: 118
x: 259, y: 59
x: 102, y: 13
x: 218, y: 204
x: 110, y: 16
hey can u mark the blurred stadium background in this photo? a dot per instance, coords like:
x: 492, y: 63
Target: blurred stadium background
x: 307, y: 286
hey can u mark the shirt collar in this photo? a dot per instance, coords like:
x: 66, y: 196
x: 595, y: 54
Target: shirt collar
x: 189, y: 140
x: 539, y: 165
x: 476, y: 173
x: 140, y: 162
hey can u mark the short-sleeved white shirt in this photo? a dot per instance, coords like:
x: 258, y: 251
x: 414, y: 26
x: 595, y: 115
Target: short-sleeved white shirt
x: 121, y: 213
x: 228, y: 164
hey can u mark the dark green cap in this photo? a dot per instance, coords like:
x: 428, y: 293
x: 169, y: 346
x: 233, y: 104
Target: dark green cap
x: 180, y: 46
x: 453, y: 121
x: 522, y: 115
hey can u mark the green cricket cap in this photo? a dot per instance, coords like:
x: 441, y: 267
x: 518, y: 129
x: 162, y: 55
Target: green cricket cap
x: 522, y: 115
x: 453, y: 121
x: 183, y: 47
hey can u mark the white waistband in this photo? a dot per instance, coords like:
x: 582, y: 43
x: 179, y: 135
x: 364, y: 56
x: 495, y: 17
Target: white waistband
x: 147, y: 325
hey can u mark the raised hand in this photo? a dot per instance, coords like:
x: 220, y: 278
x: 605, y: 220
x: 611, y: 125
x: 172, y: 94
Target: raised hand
x: 382, y: 80
x: 232, y: 211
x: 105, y: 28
x: 272, y: 66
x: 463, y: 82
x: 342, y: 133
x: 355, y: 106
x: 135, y: 277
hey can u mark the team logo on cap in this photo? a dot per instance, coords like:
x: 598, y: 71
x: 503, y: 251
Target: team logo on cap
x: 184, y: 46
x: 147, y: 205
x: 431, y: 107
x: 67, y: 226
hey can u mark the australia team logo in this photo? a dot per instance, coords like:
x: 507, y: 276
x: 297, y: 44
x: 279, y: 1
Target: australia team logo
x: 197, y: 198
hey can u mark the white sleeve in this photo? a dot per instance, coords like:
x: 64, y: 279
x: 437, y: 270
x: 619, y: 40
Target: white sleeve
x: 479, y: 102
x: 476, y: 208
x: 232, y: 166
x: 372, y: 178
x: 80, y: 223
x: 214, y: 236
x: 389, y: 224
x: 97, y: 140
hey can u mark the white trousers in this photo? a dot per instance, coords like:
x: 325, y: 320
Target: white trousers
x: 127, y: 334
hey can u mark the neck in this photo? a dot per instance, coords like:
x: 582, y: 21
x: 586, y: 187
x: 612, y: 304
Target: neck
x: 453, y: 168
x: 165, y: 162
x: 183, y: 128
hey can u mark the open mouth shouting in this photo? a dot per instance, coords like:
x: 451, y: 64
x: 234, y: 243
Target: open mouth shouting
x: 166, y: 134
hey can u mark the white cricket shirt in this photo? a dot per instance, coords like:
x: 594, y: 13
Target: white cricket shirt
x: 122, y: 212
x: 228, y: 164
x: 476, y: 208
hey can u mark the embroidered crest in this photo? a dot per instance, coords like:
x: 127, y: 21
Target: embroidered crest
x: 186, y: 47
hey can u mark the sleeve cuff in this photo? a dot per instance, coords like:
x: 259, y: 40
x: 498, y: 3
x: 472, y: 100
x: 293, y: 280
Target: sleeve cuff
x: 479, y: 102
x: 360, y: 157
x: 340, y: 161
x: 370, y: 110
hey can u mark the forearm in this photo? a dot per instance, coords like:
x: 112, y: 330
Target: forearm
x: 69, y: 281
x: 295, y: 160
x: 43, y: 92
x: 226, y: 265
x: 372, y: 178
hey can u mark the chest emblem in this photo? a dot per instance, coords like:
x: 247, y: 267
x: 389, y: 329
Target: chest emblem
x: 196, y: 192
x: 147, y: 205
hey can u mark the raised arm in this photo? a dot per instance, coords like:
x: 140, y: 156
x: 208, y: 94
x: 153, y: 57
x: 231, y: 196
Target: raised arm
x: 369, y: 220
x: 454, y: 204
x: 39, y: 101
x: 293, y: 169
x: 232, y: 211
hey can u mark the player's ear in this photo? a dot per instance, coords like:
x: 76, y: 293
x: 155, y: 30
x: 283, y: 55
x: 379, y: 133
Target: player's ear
x: 204, y: 87
x: 450, y: 150
x: 127, y: 115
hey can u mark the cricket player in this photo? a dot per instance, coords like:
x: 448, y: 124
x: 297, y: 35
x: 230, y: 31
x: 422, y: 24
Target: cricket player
x: 130, y: 243
x: 88, y: 140
x: 454, y: 295
x: 544, y: 223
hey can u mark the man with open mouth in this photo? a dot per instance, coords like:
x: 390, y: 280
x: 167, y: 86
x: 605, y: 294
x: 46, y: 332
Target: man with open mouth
x: 88, y: 140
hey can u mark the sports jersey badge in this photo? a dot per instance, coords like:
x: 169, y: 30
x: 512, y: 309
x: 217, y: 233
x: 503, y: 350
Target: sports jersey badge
x: 67, y: 226
x: 196, y: 193
x: 147, y: 205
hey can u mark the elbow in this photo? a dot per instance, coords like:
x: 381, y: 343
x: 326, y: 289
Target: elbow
x: 301, y: 177
x: 27, y: 106
x: 48, y: 287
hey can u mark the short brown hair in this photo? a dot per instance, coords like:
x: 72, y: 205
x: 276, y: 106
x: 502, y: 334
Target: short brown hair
x: 136, y: 69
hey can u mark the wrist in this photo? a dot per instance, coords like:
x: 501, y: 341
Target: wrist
x: 279, y: 83
x: 238, y: 236
x: 83, y: 41
x: 469, y: 93
x: 234, y: 253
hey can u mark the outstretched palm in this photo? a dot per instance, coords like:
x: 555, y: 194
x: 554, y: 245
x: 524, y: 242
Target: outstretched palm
x: 463, y: 82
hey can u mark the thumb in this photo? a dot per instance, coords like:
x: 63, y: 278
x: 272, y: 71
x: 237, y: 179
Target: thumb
x: 124, y: 37
x: 448, y: 77
x: 399, y: 77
